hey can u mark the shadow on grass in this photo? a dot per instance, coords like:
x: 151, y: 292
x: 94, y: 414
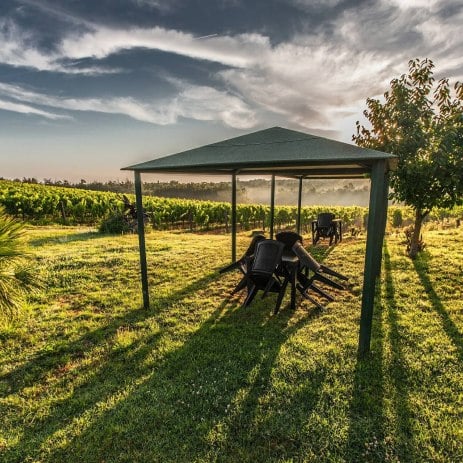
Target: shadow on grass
x: 370, y: 436
x: 94, y: 381
x: 404, y: 433
x: 367, y: 416
x: 40, y: 365
x: 421, y: 264
x: 170, y: 396
x: 199, y: 403
x: 320, y: 252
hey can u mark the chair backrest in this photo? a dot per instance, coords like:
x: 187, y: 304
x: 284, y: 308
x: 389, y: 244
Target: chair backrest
x: 305, y: 258
x: 267, y: 257
x: 252, y: 246
x: 325, y: 219
x: 288, y: 238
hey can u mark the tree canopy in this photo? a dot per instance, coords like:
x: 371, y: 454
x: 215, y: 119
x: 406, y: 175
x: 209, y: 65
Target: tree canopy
x: 421, y: 122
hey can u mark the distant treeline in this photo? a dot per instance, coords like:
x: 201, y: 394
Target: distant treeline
x: 333, y: 192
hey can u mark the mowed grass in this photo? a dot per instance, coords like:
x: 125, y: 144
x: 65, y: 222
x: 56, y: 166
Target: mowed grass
x: 88, y: 375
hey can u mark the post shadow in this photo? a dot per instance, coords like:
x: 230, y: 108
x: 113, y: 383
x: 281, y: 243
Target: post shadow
x: 405, y: 448
x: 282, y: 447
x: 367, y: 418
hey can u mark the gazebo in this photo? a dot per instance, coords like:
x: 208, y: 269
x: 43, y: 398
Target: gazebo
x: 286, y: 153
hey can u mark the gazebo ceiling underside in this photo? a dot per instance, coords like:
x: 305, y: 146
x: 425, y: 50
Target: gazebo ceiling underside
x: 277, y: 151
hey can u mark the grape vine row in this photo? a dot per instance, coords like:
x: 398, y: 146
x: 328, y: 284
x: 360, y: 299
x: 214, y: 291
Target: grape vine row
x: 38, y: 203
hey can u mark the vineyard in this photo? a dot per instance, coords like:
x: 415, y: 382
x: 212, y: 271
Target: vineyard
x: 45, y: 204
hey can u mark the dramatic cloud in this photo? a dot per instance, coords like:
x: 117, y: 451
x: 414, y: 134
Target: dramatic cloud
x: 313, y: 80
x: 18, y: 49
x: 201, y: 103
x: 237, y: 51
x: 228, y: 65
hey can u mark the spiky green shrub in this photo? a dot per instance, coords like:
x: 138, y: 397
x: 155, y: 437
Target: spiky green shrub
x: 115, y: 223
x: 17, y: 277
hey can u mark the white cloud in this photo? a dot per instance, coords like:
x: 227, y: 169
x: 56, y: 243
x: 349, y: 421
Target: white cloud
x: 160, y: 5
x: 236, y: 51
x: 196, y: 102
x: 26, y: 109
x: 18, y: 49
x: 408, y: 4
x: 303, y: 80
x: 207, y: 103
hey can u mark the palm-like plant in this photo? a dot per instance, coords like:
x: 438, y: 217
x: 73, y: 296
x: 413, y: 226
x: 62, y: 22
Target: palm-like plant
x: 16, y: 276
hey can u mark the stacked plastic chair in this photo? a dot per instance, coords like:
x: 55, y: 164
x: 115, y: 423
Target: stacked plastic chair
x: 317, y: 273
x: 263, y: 273
x: 242, y: 263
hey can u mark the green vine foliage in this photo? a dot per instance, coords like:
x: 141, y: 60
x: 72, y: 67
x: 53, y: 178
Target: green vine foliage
x: 44, y: 204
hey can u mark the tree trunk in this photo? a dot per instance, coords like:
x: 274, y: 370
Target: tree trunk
x: 415, y: 243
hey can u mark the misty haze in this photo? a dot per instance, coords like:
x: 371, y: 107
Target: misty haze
x: 314, y: 192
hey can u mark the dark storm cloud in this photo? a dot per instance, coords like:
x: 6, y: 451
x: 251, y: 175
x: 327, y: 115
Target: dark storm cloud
x: 278, y: 19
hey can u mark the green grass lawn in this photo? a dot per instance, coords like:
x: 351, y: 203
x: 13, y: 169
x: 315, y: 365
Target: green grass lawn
x: 87, y: 375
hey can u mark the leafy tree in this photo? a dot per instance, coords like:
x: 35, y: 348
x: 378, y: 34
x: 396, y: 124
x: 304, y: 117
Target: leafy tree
x: 16, y: 276
x: 422, y: 123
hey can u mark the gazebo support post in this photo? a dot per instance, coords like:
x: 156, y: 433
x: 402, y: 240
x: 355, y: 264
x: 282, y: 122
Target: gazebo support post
x: 272, y: 206
x: 376, y: 221
x: 141, y: 240
x: 299, y: 205
x: 383, y: 217
x: 233, y: 217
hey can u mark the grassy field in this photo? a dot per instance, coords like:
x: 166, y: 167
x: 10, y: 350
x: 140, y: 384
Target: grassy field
x: 87, y: 375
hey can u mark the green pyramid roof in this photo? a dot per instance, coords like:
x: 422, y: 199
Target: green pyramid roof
x: 276, y: 151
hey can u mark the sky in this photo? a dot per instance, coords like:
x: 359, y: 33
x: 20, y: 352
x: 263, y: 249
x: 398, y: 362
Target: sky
x: 88, y: 87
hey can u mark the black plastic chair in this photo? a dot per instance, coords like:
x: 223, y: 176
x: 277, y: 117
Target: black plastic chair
x: 306, y: 283
x: 262, y: 273
x: 242, y: 260
x: 288, y: 238
x: 325, y: 227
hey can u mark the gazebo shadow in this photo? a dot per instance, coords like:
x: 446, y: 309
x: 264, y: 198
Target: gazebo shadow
x: 191, y: 389
x: 42, y: 364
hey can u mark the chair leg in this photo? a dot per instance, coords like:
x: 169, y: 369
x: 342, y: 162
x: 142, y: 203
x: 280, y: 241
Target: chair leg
x: 313, y: 301
x: 303, y: 279
x: 331, y: 272
x: 241, y: 285
x: 251, y: 295
x: 327, y: 281
x: 321, y: 292
x: 280, y: 296
x: 268, y: 287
